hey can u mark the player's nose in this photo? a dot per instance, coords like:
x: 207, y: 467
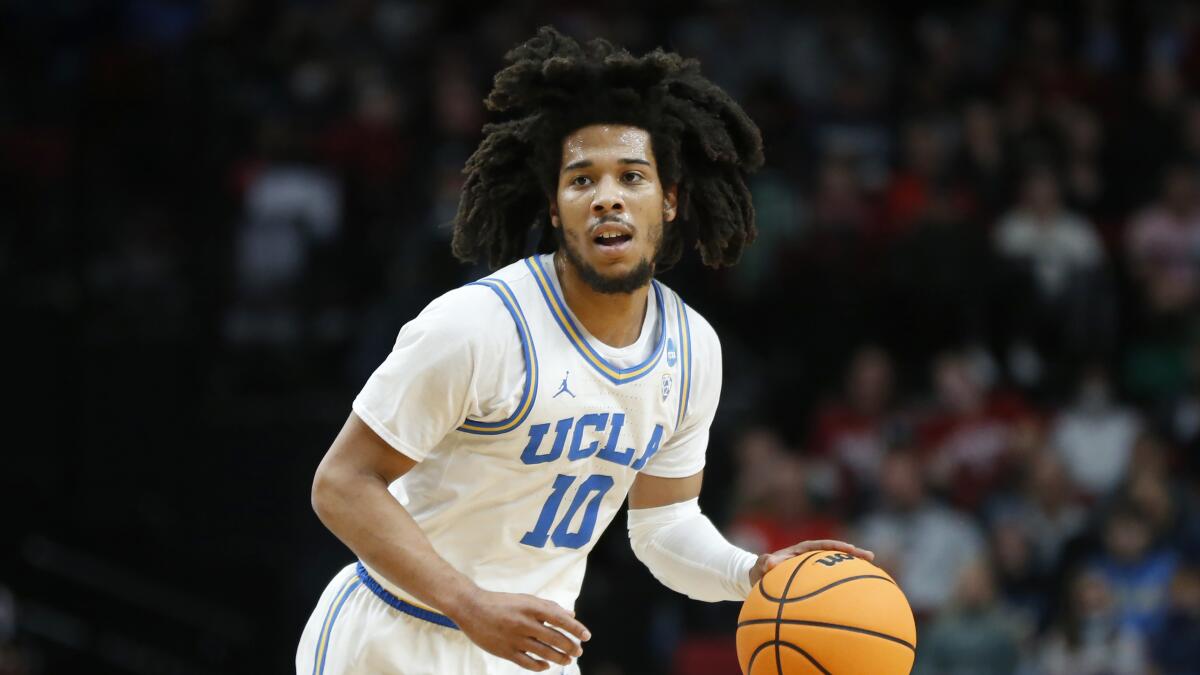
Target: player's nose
x: 607, y: 197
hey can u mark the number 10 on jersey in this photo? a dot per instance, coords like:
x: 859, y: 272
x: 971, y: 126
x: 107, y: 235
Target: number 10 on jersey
x: 591, y: 490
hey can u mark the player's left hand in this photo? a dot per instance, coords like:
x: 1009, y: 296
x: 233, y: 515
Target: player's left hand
x: 768, y: 561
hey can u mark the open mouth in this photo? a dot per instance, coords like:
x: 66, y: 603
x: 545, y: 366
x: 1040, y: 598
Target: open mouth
x: 612, y: 239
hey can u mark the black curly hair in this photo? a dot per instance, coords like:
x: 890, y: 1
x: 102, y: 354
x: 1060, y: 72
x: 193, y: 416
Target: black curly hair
x: 553, y: 85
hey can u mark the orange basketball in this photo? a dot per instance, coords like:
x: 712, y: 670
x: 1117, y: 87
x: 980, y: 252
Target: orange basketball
x: 826, y: 612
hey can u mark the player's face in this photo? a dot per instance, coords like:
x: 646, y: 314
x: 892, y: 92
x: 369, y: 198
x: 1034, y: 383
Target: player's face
x: 610, y: 206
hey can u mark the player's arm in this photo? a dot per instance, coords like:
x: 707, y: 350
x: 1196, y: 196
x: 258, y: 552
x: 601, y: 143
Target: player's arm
x: 351, y: 498
x: 685, y: 551
x: 419, y: 394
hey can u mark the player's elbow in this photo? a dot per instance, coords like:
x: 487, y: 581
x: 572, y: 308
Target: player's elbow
x: 319, y: 494
x: 327, y: 491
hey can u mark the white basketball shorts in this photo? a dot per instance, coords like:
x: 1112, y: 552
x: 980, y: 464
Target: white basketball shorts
x: 358, y: 628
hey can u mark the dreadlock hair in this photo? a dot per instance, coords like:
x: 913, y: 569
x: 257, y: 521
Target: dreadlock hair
x: 552, y: 86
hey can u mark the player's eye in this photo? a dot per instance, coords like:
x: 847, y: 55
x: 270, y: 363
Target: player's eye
x: 580, y: 181
x: 633, y: 177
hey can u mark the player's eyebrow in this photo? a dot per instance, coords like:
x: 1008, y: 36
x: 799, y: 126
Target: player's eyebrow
x: 584, y: 163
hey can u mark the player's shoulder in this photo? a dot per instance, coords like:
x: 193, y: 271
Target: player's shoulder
x: 701, y: 332
x: 483, y: 298
x: 513, y: 274
x: 477, y: 310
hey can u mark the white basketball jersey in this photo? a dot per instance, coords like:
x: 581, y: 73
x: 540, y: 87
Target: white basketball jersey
x: 515, y: 500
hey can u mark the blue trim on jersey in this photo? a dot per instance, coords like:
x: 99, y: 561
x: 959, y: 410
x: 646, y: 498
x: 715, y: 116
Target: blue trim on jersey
x: 331, y: 614
x: 562, y: 316
x: 685, y: 360
x: 409, y: 609
x: 529, y: 393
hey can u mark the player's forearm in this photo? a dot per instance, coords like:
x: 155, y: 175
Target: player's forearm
x: 359, y: 510
x: 684, y: 551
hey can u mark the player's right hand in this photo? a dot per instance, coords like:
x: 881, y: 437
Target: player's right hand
x: 513, y: 626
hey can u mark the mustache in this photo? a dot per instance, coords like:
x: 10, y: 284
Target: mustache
x: 610, y: 218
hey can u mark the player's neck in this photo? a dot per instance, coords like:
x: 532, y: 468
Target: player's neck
x: 612, y: 318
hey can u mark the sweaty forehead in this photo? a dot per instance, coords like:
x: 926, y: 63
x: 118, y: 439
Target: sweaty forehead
x: 607, y: 141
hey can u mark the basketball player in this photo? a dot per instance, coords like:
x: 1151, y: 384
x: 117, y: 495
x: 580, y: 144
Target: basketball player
x: 514, y: 415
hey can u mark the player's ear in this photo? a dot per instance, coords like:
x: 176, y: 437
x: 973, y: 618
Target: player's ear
x: 670, y: 203
x: 553, y: 213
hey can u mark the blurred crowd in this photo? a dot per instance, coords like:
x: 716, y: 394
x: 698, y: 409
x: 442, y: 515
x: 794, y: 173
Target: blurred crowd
x: 967, y: 337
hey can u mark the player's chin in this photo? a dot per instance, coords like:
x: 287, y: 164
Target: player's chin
x: 620, y: 278
x: 616, y: 269
x: 620, y: 260
x: 626, y: 252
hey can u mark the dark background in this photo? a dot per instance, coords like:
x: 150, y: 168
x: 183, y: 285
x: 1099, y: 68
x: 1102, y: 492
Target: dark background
x: 217, y: 215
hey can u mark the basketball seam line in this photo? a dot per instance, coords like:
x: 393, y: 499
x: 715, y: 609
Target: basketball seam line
x: 779, y: 616
x: 834, y: 626
x: 762, y: 589
x: 754, y: 654
x: 805, y: 655
x: 777, y: 644
x: 827, y: 587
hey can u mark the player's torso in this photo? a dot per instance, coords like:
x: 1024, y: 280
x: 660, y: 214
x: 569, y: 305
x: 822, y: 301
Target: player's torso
x: 517, y: 503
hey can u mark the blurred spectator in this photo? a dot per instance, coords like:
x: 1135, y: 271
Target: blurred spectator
x: 840, y: 70
x: 1021, y: 120
x: 1182, y: 414
x: 1088, y: 639
x: 1046, y: 510
x: 1151, y: 131
x: 290, y: 208
x: 983, y: 163
x: 1020, y: 578
x: 856, y: 431
x: 1094, y: 437
x: 1136, y: 569
x: 1175, y: 647
x: 967, y: 440
x: 923, y: 174
x: 1083, y: 172
x: 1163, y: 243
x: 774, y: 496
x: 367, y: 144
x: 937, y: 272
x: 1162, y: 497
x: 974, y: 635
x: 757, y: 453
x: 1053, y: 260
x: 1103, y: 53
x: 919, y: 541
x: 781, y: 223
x: 841, y: 205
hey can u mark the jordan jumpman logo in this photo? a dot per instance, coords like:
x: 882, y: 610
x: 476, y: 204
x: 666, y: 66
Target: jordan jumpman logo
x: 562, y: 388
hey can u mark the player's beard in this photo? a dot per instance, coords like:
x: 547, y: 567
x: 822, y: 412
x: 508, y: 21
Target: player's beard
x: 629, y: 282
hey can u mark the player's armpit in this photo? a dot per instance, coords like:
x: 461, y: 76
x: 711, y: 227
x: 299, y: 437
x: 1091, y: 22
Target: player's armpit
x: 360, y: 451
x: 650, y: 492
x: 357, y: 454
